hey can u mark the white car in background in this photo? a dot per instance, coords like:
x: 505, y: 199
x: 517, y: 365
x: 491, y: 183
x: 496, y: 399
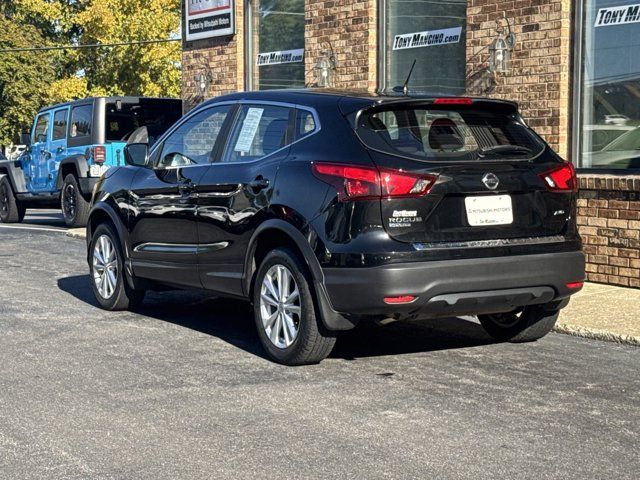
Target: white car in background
x: 623, y: 152
x: 616, y: 119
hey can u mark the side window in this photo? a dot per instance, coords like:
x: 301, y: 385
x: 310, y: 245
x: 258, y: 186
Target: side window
x: 305, y: 123
x: 193, y: 141
x: 259, y: 131
x: 81, y: 120
x: 40, y: 132
x: 60, y: 124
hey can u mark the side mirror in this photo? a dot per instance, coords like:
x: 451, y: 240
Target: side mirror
x: 136, y: 154
x: 25, y: 138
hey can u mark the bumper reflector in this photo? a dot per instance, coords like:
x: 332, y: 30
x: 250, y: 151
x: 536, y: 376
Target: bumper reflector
x: 575, y: 285
x: 399, y: 300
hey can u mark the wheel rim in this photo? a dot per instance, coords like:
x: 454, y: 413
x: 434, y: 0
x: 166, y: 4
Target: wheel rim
x: 69, y: 201
x: 105, y: 267
x: 280, y: 308
x: 4, y: 199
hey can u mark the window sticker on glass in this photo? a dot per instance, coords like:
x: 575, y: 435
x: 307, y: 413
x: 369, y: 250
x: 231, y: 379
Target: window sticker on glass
x: 249, y: 129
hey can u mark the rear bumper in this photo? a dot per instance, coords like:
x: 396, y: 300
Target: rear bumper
x: 455, y: 287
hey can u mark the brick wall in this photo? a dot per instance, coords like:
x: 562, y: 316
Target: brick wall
x: 539, y: 78
x: 349, y: 26
x: 609, y: 223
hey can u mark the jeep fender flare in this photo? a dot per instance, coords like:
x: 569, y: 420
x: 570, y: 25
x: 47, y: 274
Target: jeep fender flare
x: 15, y: 175
x: 80, y: 165
x: 331, y: 319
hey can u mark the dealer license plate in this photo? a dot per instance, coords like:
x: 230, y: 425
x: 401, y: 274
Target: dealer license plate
x: 97, y: 170
x: 489, y: 210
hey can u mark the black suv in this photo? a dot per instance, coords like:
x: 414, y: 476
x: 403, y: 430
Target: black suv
x: 327, y: 208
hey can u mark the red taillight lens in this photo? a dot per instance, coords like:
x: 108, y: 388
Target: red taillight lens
x: 353, y: 182
x: 575, y: 285
x: 561, y: 179
x: 453, y: 101
x: 399, y: 300
x: 99, y: 154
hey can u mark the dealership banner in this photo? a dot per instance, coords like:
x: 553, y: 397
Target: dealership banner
x: 208, y: 18
x: 280, y: 57
x: 618, y: 15
x: 430, y: 38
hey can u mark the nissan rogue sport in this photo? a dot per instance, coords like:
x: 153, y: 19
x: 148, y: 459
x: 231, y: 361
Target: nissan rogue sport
x: 328, y: 208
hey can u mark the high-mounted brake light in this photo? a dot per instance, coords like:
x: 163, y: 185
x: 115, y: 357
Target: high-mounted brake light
x: 99, y: 155
x: 453, y: 101
x: 360, y: 183
x: 561, y: 179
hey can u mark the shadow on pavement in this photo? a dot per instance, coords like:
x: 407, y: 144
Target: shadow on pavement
x: 232, y: 321
x: 44, y: 218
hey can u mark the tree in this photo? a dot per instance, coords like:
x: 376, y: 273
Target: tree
x: 24, y: 79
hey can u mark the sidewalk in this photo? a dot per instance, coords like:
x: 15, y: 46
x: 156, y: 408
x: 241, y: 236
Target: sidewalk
x: 603, y: 312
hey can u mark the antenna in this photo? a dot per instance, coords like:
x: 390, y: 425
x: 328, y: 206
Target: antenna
x: 405, y: 87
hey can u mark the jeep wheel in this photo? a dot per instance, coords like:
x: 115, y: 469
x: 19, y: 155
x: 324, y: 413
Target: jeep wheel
x: 75, y: 208
x: 11, y: 209
x: 109, y: 285
x: 524, y: 325
x: 284, y: 311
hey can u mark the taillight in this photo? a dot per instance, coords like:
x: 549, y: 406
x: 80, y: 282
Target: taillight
x: 359, y: 183
x: 99, y: 154
x: 453, y: 101
x: 561, y: 179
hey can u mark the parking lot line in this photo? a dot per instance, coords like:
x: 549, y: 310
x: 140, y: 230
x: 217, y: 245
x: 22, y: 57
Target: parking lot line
x: 43, y: 229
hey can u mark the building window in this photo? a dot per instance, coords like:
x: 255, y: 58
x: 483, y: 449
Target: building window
x: 275, y: 44
x: 433, y: 34
x: 607, y: 134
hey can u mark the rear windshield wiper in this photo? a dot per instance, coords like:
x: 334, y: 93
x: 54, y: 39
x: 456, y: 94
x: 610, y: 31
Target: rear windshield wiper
x: 504, y: 150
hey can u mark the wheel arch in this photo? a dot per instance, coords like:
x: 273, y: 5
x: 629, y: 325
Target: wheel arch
x: 76, y: 164
x: 276, y: 233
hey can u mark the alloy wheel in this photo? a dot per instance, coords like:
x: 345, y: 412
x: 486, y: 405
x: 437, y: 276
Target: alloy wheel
x: 69, y: 201
x: 105, y: 267
x: 280, y: 308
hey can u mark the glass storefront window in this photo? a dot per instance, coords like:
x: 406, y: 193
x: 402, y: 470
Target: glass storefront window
x: 433, y: 34
x: 608, y: 130
x: 276, y: 44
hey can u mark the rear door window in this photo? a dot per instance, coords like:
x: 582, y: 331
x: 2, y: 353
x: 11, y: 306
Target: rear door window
x: 260, y: 130
x: 439, y: 134
x: 81, y: 121
x: 60, y: 124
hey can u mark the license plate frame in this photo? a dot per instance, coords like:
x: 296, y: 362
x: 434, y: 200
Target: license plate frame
x: 489, y: 210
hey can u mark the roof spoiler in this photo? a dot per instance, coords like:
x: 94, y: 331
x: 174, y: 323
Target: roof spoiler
x: 494, y: 105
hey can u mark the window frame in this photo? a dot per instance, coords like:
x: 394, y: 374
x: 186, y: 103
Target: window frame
x: 574, y: 130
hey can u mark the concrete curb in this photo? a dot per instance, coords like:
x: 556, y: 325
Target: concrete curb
x: 596, y: 334
x: 77, y: 233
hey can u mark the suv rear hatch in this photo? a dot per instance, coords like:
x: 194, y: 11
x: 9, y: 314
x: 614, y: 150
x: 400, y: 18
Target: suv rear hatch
x: 491, y: 178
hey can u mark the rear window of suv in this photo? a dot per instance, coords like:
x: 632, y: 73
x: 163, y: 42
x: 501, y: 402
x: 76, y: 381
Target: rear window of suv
x: 441, y: 134
x: 157, y: 115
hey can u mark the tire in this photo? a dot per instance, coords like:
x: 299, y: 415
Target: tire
x: 113, y: 293
x: 312, y: 342
x: 75, y: 209
x: 527, y: 325
x: 11, y: 209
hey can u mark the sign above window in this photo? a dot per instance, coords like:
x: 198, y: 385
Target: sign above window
x: 278, y: 58
x: 618, y: 15
x: 208, y: 18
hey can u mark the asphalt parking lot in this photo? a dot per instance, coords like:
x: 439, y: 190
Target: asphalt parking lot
x: 180, y: 389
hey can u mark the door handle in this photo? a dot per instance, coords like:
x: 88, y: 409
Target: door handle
x: 260, y: 183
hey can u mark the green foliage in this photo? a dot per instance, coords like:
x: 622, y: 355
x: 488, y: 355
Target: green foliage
x: 24, y: 78
x: 31, y: 80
